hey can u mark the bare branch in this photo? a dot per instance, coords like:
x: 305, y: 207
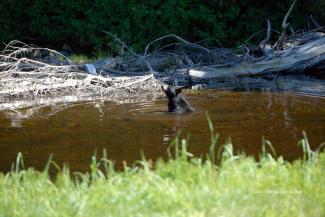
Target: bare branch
x: 315, y: 23
x: 122, y: 43
x: 142, y: 58
x: 285, y: 23
x: 268, y: 36
x: 177, y: 38
x: 279, y: 44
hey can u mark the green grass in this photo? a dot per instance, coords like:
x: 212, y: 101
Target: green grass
x: 83, y: 59
x: 181, y: 186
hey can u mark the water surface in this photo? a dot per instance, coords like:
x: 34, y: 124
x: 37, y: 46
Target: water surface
x: 73, y: 133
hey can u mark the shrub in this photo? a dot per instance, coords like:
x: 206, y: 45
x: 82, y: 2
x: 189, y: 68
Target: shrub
x: 79, y: 24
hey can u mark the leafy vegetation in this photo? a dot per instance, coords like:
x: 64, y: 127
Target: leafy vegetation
x: 78, y: 25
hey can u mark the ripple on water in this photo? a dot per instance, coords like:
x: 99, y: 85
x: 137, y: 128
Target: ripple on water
x: 73, y: 133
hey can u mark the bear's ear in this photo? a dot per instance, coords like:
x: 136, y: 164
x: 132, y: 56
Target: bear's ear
x: 162, y: 87
x: 179, y: 90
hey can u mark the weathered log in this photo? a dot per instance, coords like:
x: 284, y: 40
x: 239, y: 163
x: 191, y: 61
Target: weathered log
x: 297, y: 58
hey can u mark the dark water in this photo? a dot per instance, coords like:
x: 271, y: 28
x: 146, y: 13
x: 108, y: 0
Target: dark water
x: 73, y: 133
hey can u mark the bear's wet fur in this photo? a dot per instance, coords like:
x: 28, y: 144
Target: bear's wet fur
x: 176, y: 102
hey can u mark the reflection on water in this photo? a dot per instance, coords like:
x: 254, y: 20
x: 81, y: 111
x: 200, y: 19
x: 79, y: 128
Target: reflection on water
x: 73, y: 133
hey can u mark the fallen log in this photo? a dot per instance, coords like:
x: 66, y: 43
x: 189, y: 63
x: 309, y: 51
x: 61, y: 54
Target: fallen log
x: 294, y: 59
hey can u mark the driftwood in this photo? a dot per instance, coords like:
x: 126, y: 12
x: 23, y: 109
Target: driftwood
x: 294, y: 59
x: 32, y: 73
x: 294, y: 53
x: 29, y: 74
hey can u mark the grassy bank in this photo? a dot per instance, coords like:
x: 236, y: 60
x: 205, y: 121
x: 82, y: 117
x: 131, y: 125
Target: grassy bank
x: 182, y: 186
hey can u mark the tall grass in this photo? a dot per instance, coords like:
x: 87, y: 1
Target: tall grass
x: 222, y: 184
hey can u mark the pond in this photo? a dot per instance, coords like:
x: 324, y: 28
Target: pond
x: 73, y: 133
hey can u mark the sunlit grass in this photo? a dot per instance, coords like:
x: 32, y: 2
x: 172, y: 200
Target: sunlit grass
x: 81, y: 59
x: 221, y: 184
x: 92, y: 57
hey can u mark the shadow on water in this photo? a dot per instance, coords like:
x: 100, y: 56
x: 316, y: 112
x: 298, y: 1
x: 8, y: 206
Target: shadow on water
x: 73, y: 133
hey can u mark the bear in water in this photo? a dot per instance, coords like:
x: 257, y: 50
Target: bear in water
x: 176, y: 102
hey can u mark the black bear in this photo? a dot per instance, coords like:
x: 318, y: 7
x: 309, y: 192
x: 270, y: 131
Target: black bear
x: 176, y: 102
